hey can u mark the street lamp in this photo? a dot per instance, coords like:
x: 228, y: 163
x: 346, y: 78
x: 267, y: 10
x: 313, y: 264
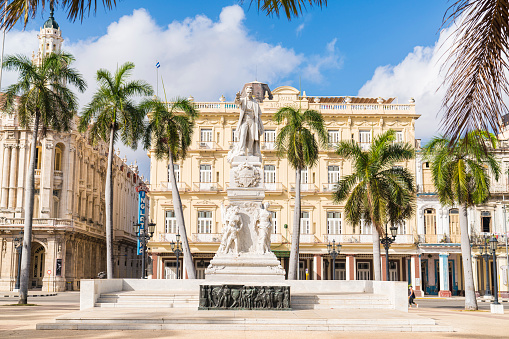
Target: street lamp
x: 493, y: 248
x: 18, y: 243
x: 387, y: 241
x: 144, y: 235
x: 484, y: 249
x: 176, y: 247
x: 334, y: 252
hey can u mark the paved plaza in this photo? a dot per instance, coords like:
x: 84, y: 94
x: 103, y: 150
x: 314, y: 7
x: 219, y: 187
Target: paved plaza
x: 20, y: 322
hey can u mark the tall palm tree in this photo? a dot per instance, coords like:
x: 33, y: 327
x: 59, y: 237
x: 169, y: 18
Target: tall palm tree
x: 40, y: 99
x: 296, y: 140
x: 78, y: 9
x: 169, y: 133
x: 461, y: 175
x: 113, y: 113
x: 376, y: 189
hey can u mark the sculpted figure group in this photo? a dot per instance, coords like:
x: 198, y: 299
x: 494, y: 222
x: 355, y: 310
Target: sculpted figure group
x: 244, y: 297
x: 232, y: 223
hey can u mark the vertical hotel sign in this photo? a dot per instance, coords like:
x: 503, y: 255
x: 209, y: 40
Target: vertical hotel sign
x: 142, y: 199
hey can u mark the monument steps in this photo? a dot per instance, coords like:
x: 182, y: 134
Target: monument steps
x: 214, y: 323
x: 148, y: 299
x: 332, y: 301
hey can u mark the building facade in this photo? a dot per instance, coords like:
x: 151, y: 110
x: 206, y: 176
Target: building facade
x: 203, y: 178
x: 69, y: 217
x: 440, y: 259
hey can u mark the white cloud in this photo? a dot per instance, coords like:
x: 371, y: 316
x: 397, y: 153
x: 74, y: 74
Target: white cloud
x: 320, y: 63
x: 198, y: 57
x: 300, y: 28
x: 417, y: 76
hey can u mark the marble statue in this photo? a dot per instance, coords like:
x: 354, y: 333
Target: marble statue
x: 232, y: 223
x: 249, y: 127
x: 263, y: 228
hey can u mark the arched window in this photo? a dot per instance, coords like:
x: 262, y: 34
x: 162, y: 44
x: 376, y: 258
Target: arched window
x: 430, y: 221
x: 58, y: 158
x: 38, y: 157
x: 454, y: 221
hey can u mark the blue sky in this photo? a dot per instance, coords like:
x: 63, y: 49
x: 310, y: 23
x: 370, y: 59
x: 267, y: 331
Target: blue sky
x: 208, y: 48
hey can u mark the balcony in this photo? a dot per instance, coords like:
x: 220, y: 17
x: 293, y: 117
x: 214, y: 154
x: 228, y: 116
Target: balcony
x: 166, y: 186
x: 276, y: 238
x: 274, y: 187
x: 57, y: 179
x: 307, y: 239
x: 206, y: 187
x: 439, y: 238
x: 426, y: 189
x: 268, y: 146
x: 499, y: 188
x: 329, y: 187
x: 365, y: 146
x: 404, y: 239
x: 305, y: 188
x: 37, y: 177
x: 206, y: 237
x: 348, y: 238
x: 207, y: 145
x: 167, y: 237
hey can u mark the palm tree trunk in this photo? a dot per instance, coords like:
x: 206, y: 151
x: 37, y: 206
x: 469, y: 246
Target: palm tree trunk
x: 294, y: 252
x: 108, y: 192
x: 29, y: 214
x: 466, y: 253
x: 377, y: 268
x: 179, y: 215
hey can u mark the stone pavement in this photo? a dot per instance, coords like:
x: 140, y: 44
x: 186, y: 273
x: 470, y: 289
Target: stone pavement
x: 20, y: 322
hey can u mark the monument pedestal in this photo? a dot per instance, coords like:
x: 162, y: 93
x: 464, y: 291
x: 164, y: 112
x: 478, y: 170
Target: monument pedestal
x: 245, y: 267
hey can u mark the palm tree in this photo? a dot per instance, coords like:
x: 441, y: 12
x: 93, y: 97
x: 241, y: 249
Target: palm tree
x: 461, y: 175
x: 476, y: 76
x: 296, y: 140
x: 111, y: 112
x: 170, y: 132
x: 40, y: 97
x: 78, y: 9
x: 376, y: 190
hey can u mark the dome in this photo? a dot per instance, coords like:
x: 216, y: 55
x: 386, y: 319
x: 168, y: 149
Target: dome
x: 259, y: 90
x: 51, y: 23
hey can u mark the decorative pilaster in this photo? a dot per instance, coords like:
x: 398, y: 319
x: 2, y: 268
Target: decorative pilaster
x: 12, y: 179
x: 5, y: 177
x: 444, y: 275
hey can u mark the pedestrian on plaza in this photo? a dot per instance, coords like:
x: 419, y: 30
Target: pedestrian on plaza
x: 411, y: 297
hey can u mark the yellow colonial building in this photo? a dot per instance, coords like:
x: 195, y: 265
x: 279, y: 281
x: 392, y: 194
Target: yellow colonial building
x: 203, y: 179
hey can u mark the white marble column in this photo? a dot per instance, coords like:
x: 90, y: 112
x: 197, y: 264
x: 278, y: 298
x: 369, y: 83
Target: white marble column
x: 21, y: 180
x: 12, y: 179
x: 46, y: 185
x: 5, y: 176
x: 444, y: 275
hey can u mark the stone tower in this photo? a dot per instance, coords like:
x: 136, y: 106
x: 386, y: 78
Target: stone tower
x: 50, y: 39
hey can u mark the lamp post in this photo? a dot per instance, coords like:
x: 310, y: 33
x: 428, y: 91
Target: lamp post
x: 176, y: 247
x: 493, y: 248
x: 18, y: 243
x: 334, y: 252
x: 387, y: 241
x: 144, y: 235
x: 485, y: 253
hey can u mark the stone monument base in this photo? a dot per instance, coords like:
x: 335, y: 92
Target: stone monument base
x: 244, y: 268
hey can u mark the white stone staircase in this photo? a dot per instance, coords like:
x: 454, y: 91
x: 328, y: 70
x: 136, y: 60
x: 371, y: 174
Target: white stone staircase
x: 319, y: 301
x: 149, y: 299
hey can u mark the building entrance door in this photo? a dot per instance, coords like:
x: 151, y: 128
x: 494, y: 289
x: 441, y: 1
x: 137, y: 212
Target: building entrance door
x: 37, y: 265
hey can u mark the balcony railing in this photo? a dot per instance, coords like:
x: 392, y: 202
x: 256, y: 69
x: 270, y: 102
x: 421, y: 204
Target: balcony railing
x: 166, y: 186
x: 404, y: 239
x: 268, y: 146
x: 206, y: 237
x: 348, y: 238
x: 206, y: 187
x: 58, y: 173
x: 274, y: 187
x: 167, y: 237
x: 439, y: 238
x: 276, y: 238
x: 499, y: 188
x: 426, y: 188
x: 329, y: 187
x: 307, y: 238
x: 365, y: 146
x: 207, y: 145
x: 305, y: 188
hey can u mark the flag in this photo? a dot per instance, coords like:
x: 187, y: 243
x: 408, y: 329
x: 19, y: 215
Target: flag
x: 158, y: 65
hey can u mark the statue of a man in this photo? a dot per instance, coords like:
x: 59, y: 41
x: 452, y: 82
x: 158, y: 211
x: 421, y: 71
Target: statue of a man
x: 249, y: 127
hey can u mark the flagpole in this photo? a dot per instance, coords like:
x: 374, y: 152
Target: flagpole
x: 157, y: 82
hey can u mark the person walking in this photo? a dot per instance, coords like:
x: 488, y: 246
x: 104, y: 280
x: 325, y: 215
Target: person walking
x: 411, y: 297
